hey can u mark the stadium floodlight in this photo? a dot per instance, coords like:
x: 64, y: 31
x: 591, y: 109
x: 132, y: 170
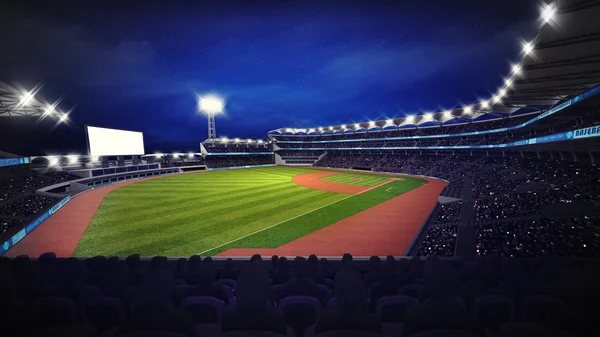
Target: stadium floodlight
x: 467, y: 109
x: 508, y: 82
x: 250, y: 141
x: 63, y: 118
x: 483, y: 104
x: 527, y: 48
x: 224, y: 140
x: 175, y: 155
x: 26, y: 98
x: 428, y: 115
x: 49, y: 109
x: 53, y: 161
x: 95, y: 159
x: 410, y: 119
x: 548, y: 13
x: 496, y: 99
x: 73, y: 159
x: 211, y: 105
x: 190, y: 155
x: 371, y: 124
x: 448, y: 114
x: 516, y: 69
x: 260, y: 141
x: 236, y: 140
x: 390, y: 121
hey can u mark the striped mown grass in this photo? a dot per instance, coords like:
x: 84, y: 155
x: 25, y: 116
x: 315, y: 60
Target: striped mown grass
x: 357, y: 178
x: 208, y: 212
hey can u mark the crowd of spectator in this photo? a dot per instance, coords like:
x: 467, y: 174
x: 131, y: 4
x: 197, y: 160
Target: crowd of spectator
x: 198, y: 297
x: 440, y: 240
x: 183, y: 163
x: 7, y: 223
x: 289, y: 154
x: 27, y: 205
x: 448, y: 212
x: 539, y: 237
x: 236, y: 149
x: 233, y: 161
x: 412, y: 131
x: 500, y: 186
x: 18, y: 201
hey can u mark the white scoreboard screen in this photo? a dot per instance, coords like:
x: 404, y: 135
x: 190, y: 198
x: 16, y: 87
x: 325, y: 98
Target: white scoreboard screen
x: 113, y: 142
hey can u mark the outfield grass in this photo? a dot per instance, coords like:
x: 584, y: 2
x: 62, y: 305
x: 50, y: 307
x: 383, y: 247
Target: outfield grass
x: 209, y: 212
x: 357, y: 178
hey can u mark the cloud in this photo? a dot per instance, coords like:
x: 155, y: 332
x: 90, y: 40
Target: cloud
x: 59, y: 52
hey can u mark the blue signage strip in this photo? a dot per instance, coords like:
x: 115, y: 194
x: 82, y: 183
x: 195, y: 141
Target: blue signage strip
x: 595, y: 90
x: 593, y: 131
x: 13, y: 161
x: 236, y: 153
x: 33, y: 225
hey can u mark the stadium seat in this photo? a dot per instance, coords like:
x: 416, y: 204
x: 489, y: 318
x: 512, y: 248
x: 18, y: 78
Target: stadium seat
x: 348, y: 333
x: 444, y: 333
x: 55, y: 311
x: 104, y: 312
x: 493, y: 311
x: 228, y: 283
x: 67, y: 331
x: 252, y: 333
x: 300, y: 312
x: 152, y: 334
x: 207, y: 313
x: 528, y: 329
x: 538, y: 308
x: 391, y: 311
x: 413, y: 290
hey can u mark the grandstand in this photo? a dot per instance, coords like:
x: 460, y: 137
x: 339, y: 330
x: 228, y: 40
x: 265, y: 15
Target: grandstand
x: 509, y: 247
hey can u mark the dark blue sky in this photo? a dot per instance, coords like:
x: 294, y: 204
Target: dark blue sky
x: 278, y: 64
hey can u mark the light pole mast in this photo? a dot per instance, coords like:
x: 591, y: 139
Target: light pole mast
x: 212, y: 128
x: 211, y: 106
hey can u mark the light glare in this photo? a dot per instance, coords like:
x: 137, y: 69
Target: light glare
x: 484, y: 104
x: 467, y: 110
x: 516, y: 69
x: 53, y: 161
x: 210, y: 104
x: 26, y: 98
x: 548, y: 13
x: 528, y: 48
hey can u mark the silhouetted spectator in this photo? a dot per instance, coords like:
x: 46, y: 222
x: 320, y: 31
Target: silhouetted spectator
x: 301, y: 284
x: 283, y: 272
x: 251, y: 311
x: 228, y: 273
x: 439, y: 311
x: 351, y: 309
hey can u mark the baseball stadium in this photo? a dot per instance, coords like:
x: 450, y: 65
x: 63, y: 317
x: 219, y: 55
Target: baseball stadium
x: 499, y: 195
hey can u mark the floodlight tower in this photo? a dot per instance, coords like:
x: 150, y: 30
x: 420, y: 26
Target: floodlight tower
x: 211, y: 106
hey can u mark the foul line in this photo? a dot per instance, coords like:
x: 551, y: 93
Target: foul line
x: 297, y: 216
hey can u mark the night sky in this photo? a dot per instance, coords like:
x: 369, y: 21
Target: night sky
x: 137, y: 65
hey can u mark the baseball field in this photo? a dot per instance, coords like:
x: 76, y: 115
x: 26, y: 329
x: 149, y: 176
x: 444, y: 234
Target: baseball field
x: 211, y: 212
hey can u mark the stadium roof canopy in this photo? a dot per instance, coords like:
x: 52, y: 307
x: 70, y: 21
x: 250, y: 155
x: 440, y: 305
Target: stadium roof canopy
x: 562, y: 62
x: 14, y: 102
x: 566, y: 57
